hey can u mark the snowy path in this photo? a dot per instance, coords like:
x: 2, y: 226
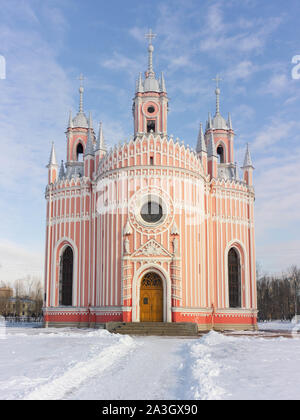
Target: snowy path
x: 149, y: 372
x: 88, y: 364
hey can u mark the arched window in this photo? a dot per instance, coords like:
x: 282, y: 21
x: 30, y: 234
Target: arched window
x: 66, y: 277
x: 220, y: 152
x: 79, y: 152
x: 150, y: 126
x: 234, y: 279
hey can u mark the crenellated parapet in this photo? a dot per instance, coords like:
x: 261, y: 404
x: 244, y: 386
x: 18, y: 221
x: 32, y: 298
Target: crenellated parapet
x: 151, y: 150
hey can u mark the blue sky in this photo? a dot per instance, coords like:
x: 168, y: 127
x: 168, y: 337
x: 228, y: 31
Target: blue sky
x: 47, y: 44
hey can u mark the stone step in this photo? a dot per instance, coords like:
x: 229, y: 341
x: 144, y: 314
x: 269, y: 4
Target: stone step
x: 153, y: 328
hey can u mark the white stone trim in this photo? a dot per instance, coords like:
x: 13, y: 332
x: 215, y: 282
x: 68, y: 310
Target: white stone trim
x: 246, y: 271
x: 72, y: 244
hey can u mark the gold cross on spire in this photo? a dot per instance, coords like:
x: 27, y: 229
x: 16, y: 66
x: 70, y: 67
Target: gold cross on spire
x: 150, y: 35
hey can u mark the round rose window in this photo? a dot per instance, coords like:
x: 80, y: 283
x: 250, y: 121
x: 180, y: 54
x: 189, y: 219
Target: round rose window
x: 151, y: 109
x: 151, y: 212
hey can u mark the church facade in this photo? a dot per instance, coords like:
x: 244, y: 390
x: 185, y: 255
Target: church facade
x: 151, y: 230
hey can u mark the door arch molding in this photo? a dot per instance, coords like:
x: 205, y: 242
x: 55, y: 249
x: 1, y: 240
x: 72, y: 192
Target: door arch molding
x: 136, y: 287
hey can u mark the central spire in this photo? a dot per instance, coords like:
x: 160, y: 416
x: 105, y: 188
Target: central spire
x: 150, y: 35
x: 80, y: 120
x: 81, y: 90
x: 217, y: 91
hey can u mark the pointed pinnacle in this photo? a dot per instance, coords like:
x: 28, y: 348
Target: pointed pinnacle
x: 211, y: 146
x: 163, y: 83
x: 61, y: 170
x: 90, y: 120
x: 100, y: 139
x: 52, y: 159
x: 89, y: 149
x: 140, y: 87
x: 229, y: 122
x: 248, y: 161
x: 209, y: 124
x: 70, y: 124
x: 201, y: 146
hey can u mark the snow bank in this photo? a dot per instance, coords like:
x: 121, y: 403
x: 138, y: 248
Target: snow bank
x: 206, y: 369
x: 251, y: 368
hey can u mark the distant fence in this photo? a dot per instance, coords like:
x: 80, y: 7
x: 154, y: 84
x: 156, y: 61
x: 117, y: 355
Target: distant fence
x: 12, y: 319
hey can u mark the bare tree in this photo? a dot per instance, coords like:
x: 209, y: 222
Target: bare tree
x: 4, y: 298
x: 277, y: 296
x: 29, y: 287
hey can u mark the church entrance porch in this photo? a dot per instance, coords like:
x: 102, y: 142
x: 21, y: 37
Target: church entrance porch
x: 151, y: 298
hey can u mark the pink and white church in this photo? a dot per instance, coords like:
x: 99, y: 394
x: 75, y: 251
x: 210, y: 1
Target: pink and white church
x: 151, y: 230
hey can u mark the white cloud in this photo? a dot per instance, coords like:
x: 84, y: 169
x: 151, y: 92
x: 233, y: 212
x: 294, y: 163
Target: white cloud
x: 242, y: 70
x: 243, y: 36
x: 278, y: 84
x: 119, y: 61
x: 277, y: 130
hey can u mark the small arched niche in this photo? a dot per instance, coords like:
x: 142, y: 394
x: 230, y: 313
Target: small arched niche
x: 79, y: 153
x: 221, y: 154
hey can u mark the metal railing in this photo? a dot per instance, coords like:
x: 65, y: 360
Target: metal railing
x: 27, y: 319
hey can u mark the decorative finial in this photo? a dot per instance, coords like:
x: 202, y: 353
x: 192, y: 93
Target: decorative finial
x: 163, y: 83
x: 229, y: 123
x: 248, y: 161
x: 62, y: 170
x: 174, y: 230
x: 211, y: 146
x: 100, y: 139
x: 127, y: 229
x: 70, y: 124
x: 89, y: 148
x: 90, y: 122
x: 139, y: 87
x: 150, y: 35
x: 52, y: 158
x: 201, y: 146
x: 81, y: 90
x: 209, y: 121
x: 217, y: 91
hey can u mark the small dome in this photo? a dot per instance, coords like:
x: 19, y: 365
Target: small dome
x: 80, y: 120
x: 151, y: 85
x: 219, y: 122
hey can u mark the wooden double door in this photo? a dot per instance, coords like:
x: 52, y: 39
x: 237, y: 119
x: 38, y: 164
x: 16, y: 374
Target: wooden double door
x: 151, y: 298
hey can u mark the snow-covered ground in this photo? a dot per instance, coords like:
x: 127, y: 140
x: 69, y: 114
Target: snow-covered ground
x: 94, y: 364
x: 278, y: 326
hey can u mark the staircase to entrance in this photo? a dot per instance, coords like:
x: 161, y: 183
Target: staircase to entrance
x: 179, y: 329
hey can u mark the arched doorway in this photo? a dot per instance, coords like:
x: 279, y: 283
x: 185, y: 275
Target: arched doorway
x: 66, y: 277
x: 234, y: 277
x: 151, y: 298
